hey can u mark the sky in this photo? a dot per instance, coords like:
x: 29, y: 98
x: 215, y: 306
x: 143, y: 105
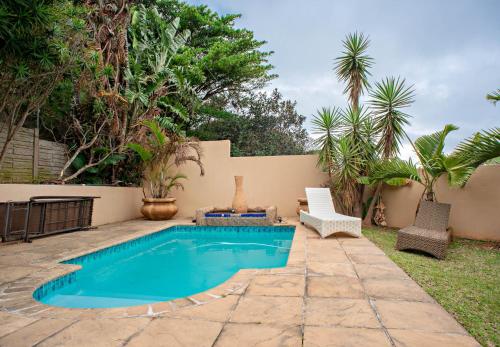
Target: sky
x: 449, y: 50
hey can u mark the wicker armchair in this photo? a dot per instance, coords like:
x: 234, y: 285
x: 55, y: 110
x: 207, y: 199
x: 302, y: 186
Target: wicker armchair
x: 430, y: 232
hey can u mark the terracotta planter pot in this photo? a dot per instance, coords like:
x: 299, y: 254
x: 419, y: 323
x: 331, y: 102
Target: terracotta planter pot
x: 239, y: 201
x: 159, y: 209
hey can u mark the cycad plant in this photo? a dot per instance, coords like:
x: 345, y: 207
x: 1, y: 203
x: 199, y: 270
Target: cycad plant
x: 387, y: 101
x: 352, y: 66
x: 457, y: 166
x: 161, y: 153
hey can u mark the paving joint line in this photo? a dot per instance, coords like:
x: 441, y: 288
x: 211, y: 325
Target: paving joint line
x: 372, y: 305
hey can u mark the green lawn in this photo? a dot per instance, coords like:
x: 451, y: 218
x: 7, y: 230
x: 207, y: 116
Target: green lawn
x: 466, y: 283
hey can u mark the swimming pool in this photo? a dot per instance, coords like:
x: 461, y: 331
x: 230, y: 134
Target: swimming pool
x: 169, y: 264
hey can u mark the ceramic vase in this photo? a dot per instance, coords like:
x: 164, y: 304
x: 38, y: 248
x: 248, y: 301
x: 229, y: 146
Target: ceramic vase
x: 239, y: 201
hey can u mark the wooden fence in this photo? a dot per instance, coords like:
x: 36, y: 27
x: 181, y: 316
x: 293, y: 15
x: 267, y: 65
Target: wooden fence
x: 31, y: 160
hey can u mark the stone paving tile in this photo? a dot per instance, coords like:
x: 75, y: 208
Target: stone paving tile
x: 315, y: 268
x: 396, y: 289
x: 335, y: 287
x: 372, y: 249
x: 12, y: 273
x: 409, y: 338
x: 96, y: 333
x: 288, y: 270
x: 323, y: 245
x: 166, y: 332
x: 34, y: 333
x: 216, y: 310
x: 370, y: 259
x: 380, y: 271
x: 10, y: 322
x: 269, y: 310
x: 417, y: 316
x: 312, y: 234
x: 341, y: 312
x: 332, y: 256
x: 259, y: 335
x: 344, y: 337
x: 281, y: 285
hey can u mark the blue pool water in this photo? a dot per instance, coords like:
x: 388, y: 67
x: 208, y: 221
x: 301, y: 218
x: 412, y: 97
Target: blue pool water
x: 169, y: 264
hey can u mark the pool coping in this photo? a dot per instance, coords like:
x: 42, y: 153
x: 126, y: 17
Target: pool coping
x: 20, y: 301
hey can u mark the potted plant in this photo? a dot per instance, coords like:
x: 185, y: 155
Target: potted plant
x: 162, y: 153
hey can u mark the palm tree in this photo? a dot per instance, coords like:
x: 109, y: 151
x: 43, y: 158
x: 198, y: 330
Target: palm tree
x: 346, y: 145
x: 352, y: 66
x: 457, y: 166
x: 388, y: 98
x: 358, y: 127
x: 494, y: 96
x: 326, y: 125
x: 348, y: 163
x: 161, y: 152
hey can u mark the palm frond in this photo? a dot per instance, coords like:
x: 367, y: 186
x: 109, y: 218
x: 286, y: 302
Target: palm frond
x: 391, y: 170
x: 143, y: 152
x: 429, y: 149
x: 153, y: 126
x: 494, y: 96
x: 471, y: 153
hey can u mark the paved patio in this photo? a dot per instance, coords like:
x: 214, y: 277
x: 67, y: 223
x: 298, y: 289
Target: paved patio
x: 334, y: 292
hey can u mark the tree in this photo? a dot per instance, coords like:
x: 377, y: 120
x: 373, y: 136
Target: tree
x: 40, y: 42
x: 326, y: 126
x: 347, y: 140
x: 457, y: 166
x: 154, y: 87
x: 352, y: 67
x: 386, y: 102
x: 258, y: 124
x: 108, y: 22
x: 148, y: 84
x: 218, y: 57
x: 218, y: 60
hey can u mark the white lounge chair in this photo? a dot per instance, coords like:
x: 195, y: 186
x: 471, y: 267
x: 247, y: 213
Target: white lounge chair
x: 324, y: 219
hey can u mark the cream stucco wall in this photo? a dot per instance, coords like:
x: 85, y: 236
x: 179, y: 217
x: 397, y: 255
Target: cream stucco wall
x: 475, y: 211
x: 279, y: 181
x: 116, y: 204
x: 275, y: 181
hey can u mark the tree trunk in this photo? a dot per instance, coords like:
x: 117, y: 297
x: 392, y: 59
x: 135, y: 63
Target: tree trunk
x: 4, y: 150
x: 369, y: 214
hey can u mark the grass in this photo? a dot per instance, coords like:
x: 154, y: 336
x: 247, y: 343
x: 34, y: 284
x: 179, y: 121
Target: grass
x: 466, y: 283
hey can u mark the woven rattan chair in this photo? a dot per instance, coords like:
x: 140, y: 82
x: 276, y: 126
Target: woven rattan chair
x: 430, y: 232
